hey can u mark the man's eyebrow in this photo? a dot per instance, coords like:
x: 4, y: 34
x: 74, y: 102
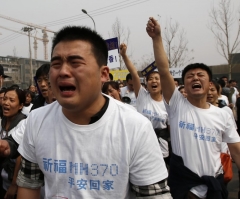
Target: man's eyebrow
x: 74, y: 57
x: 68, y: 58
x: 55, y: 58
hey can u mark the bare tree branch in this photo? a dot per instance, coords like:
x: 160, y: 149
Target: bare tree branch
x: 176, y: 44
x: 123, y: 35
x: 222, y: 20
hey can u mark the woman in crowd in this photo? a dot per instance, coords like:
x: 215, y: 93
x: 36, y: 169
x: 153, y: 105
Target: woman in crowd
x: 213, y: 98
x: 150, y: 102
x: 28, y: 102
x: 181, y: 89
x: 112, y: 89
x: 12, y: 105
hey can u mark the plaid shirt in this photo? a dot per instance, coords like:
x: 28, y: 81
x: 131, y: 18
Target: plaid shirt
x: 30, y: 176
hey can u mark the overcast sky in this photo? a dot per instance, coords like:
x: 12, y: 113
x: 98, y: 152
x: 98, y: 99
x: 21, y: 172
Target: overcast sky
x: 192, y: 15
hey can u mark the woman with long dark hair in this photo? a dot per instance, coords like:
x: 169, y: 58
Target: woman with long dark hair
x: 12, y: 104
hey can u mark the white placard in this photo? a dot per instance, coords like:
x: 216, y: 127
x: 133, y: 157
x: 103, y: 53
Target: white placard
x: 113, y: 59
x: 176, y: 72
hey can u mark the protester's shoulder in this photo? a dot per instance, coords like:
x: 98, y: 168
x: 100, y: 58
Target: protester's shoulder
x: 220, y: 112
x: 176, y: 96
x: 227, y: 109
x: 128, y: 113
x: 45, y: 110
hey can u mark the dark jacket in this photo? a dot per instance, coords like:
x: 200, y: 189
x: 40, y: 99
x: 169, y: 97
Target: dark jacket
x: 6, y: 163
x: 38, y: 102
x: 181, y: 180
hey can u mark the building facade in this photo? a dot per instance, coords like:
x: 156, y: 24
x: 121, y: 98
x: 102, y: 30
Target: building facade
x: 18, y: 68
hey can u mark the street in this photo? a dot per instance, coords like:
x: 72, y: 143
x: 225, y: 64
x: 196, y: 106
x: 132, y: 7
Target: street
x: 233, y: 185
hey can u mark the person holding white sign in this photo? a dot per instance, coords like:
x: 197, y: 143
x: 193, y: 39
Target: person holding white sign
x: 149, y: 102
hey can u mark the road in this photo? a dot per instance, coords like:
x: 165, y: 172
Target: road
x: 233, y: 185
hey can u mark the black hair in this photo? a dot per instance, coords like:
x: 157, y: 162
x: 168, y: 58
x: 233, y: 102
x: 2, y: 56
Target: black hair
x: 114, y: 84
x: 194, y: 66
x: 30, y: 86
x: 111, y: 76
x: 153, y: 72
x: 28, y: 92
x: 42, y: 70
x: 180, y: 88
x: 14, y: 86
x: 3, y: 90
x: 72, y: 33
x: 128, y: 77
x: 231, y: 81
x: 224, y: 77
x: 20, y: 94
x: 176, y: 80
x: 222, y: 83
x: 216, y: 84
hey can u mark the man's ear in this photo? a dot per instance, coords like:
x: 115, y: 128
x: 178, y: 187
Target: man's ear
x: 104, y: 74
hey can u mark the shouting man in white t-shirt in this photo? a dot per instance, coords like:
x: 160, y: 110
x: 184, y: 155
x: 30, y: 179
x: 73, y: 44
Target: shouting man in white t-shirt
x: 197, y: 129
x: 86, y: 144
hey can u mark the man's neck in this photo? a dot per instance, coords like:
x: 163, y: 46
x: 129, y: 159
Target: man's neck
x: 199, y: 102
x: 84, y: 116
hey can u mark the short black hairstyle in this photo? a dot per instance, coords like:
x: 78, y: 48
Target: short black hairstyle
x: 180, y: 88
x: 72, y: 33
x: 194, y: 66
x: 28, y: 92
x: 20, y: 94
x: 153, y: 72
x: 222, y: 83
x: 111, y: 76
x: 42, y: 70
x: 176, y: 80
x: 128, y: 77
x: 231, y: 81
x: 224, y: 77
x: 3, y: 90
x: 15, y: 86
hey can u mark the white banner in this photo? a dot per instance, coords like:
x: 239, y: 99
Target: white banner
x: 113, y: 59
x: 176, y: 72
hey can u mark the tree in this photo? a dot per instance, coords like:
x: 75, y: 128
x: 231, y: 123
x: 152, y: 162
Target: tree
x: 145, y: 60
x: 176, y: 44
x: 123, y: 34
x: 222, y: 20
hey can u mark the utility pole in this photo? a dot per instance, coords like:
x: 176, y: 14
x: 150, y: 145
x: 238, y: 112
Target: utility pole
x: 29, y: 29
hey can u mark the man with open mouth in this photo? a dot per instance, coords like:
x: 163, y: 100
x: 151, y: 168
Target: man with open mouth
x: 197, y: 129
x: 86, y: 144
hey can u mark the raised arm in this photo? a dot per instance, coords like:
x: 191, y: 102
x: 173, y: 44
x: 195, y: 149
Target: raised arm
x: 131, y: 68
x: 167, y: 83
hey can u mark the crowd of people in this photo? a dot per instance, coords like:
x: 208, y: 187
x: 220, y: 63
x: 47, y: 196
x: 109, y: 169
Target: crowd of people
x: 87, y: 136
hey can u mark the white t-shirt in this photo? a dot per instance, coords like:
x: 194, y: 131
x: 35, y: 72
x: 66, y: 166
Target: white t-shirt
x: 234, y: 96
x: 224, y: 146
x: 26, y: 109
x: 224, y: 97
x: 96, y: 160
x: 126, y: 92
x: 197, y: 134
x: 156, y: 112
